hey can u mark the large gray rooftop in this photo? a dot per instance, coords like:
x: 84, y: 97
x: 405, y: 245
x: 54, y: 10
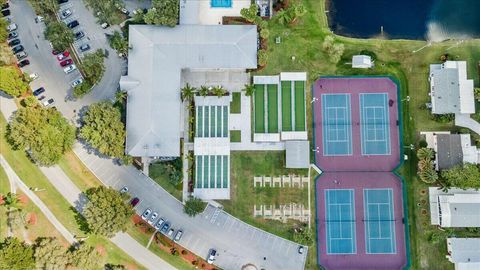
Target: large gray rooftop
x: 449, y: 151
x: 156, y: 57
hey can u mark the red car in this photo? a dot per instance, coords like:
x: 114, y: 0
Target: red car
x: 134, y: 201
x: 66, y: 62
x: 63, y: 55
x: 55, y: 52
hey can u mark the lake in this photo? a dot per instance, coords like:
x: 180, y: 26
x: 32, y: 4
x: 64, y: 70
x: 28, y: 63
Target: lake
x: 434, y: 20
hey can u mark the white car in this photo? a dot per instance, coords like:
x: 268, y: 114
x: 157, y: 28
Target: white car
x: 211, y: 256
x: 152, y: 218
x: 33, y: 76
x: 65, y: 14
x: 12, y: 27
x: 69, y: 69
x: 49, y: 102
x: 76, y: 82
x: 146, y: 213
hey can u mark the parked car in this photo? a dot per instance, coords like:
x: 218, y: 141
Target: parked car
x: 38, y: 91
x: 73, y: 24
x: 12, y: 34
x: 84, y: 47
x: 134, y: 201
x: 300, y: 249
x: 23, y: 63
x: 63, y: 55
x: 6, y: 12
x: 69, y: 69
x: 79, y: 35
x: 104, y: 25
x: 6, y: 5
x: 21, y: 55
x: 146, y: 213
x: 124, y: 189
x: 12, y: 27
x: 170, y: 233
x: 49, y: 102
x: 65, y: 14
x: 54, y: 52
x: 33, y: 76
x: 14, y: 42
x: 41, y: 98
x: 39, y: 19
x: 66, y: 62
x: 62, y: 1
x: 178, y: 236
x: 165, y: 227
x: 152, y: 218
x: 211, y: 256
x: 17, y: 49
x: 159, y: 224
x: 77, y: 82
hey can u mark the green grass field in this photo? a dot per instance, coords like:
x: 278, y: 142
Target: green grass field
x: 236, y: 105
x: 4, y: 189
x: 272, y: 95
x: 299, y: 106
x: 286, y: 106
x: 259, y: 101
x: 235, y: 135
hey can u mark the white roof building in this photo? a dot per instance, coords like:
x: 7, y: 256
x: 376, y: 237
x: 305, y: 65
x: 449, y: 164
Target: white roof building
x: 450, y: 91
x: 362, y: 61
x: 156, y: 58
x: 464, y: 253
x: 455, y: 208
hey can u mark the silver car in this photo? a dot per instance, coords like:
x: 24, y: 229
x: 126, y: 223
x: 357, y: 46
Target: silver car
x: 146, y: 213
x: 152, y: 218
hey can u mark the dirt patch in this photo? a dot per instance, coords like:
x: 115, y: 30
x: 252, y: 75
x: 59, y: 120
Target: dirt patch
x: 101, y: 250
x: 130, y: 266
x: 23, y: 199
x: 2, y: 201
x: 32, y: 218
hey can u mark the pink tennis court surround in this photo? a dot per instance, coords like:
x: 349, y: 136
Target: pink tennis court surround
x: 360, y: 214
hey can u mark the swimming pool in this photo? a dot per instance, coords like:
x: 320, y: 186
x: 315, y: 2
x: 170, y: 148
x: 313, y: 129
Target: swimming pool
x: 221, y: 3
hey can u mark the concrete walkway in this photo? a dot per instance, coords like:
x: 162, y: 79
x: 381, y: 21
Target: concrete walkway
x: 464, y: 120
x: 16, y: 181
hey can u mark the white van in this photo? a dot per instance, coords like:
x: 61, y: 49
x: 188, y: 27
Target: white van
x: 69, y: 69
x: 12, y: 27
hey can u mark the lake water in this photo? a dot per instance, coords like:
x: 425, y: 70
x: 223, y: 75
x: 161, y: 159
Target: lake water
x: 434, y: 20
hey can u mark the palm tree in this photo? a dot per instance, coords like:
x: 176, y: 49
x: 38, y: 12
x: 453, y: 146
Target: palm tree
x: 188, y: 92
x: 424, y: 164
x: 429, y: 175
x: 296, y: 11
x: 283, y: 16
x: 425, y: 153
x: 120, y: 96
x: 11, y: 201
x: 219, y: 91
x: 204, y: 90
x: 249, y: 89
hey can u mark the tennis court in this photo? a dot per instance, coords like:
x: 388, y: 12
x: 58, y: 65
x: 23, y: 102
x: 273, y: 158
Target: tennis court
x: 259, y: 103
x: 286, y: 105
x: 337, y: 131
x: 340, y: 221
x: 375, y: 124
x: 379, y: 221
x: 272, y: 99
x: 299, y: 106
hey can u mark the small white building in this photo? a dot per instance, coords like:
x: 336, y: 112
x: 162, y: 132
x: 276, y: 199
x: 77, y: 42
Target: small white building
x: 450, y: 91
x: 362, y: 61
x: 454, y: 208
x: 464, y: 253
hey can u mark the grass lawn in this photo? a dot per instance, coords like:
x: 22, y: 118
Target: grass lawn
x: 235, y: 136
x: 259, y: 101
x: 4, y: 189
x: 272, y: 95
x: 236, y: 104
x: 286, y: 105
x: 299, y: 106
x: 158, y: 173
x: 77, y: 172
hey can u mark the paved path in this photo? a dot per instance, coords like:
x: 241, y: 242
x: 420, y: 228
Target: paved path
x: 15, y: 180
x: 464, y: 120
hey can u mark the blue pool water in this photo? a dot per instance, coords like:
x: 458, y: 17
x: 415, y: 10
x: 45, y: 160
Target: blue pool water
x: 221, y: 3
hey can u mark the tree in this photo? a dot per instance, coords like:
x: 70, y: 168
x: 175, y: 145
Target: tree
x: 218, y: 91
x: 50, y: 254
x: 334, y: 50
x: 204, y: 90
x: 30, y: 101
x: 425, y: 153
x: 16, y: 255
x: 86, y: 257
x: 12, y: 82
x: 462, y: 176
x: 103, y: 129
x: 121, y: 96
x: 249, y: 89
x: 283, y: 17
x: 188, y: 92
x: 264, y: 33
x: 476, y: 93
x: 3, y: 30
x: 303, y: 236
x: 59, y: 35
x: 429, y: 175
x: 262, y: 57
x: 11, y: 201
x: 82, y: 89
x: 295, y: 11
x: 118, y: 43
x: 163, y: 12
x: 106, y: 211
x: 193, y: 206
x: 43, y: 132
x: 93, y: 66
x: 250, y: 13
x: 45, y: 7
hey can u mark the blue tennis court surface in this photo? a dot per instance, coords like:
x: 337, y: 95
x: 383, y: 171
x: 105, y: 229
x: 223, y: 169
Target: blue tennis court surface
x: 337, y: 129
x: 379, y: 221
x: 340, y: 221
x: 375, y: 124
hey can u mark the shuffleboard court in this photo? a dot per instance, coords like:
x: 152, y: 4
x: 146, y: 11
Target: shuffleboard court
x: 259, y: 103
x: 286, y: 105
x: 272, y: 95
x: 340, y: 221
x: 379, y: 221
x: 375, y: 124
x: 299, y: 106
x: 337, y: 131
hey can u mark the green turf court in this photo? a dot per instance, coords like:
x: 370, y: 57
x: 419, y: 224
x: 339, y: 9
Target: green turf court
x: 299, y: 106
x: 286, y: 106
x: 272, y: 98
x: 259, y: 103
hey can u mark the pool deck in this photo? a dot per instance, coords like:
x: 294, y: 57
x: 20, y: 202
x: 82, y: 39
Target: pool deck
x: 354, y: 86
x: 358, y: 182
x: 201, y: 12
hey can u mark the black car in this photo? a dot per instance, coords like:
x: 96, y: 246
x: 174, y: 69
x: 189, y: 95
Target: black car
x: 84, y: 47
x: 62, y: 1
x: 79, y: 35
x: 73, y: 24
x: 18, y: 49
x: 38, y: 91
x: 6, y: 12
x: 6, y: 5
x: 24, y: 63
x: 14, y: 42
x: 12, y: 34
